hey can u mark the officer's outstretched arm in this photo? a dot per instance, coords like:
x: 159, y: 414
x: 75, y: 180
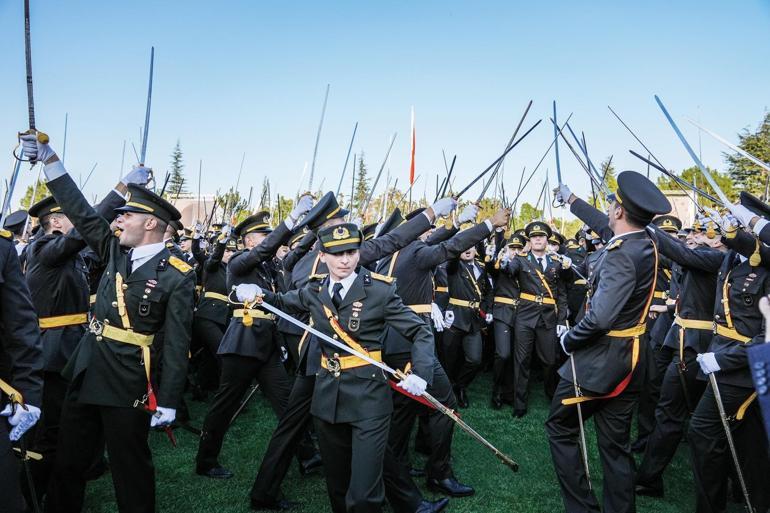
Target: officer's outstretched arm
x: 593, y: 217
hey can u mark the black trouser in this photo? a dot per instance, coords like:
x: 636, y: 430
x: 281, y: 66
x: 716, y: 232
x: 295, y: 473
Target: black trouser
x: 45, y: 434
x: 654, y: 360
x: 711, y: 459
x: 206, y: 336
x: 82, y: 429
x: 402, y: 493
x: 10, y: 490
x: 237, y: 374
x: 502, y: 369
x: 543, y: 340
x: 284, y: 442
x: 353, y: 455
x: 462, y: 354
x: 670, y: 418
x: 612, y: 418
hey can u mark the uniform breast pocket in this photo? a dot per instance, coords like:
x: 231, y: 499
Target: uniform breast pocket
x: 144, y: 301
x: 749, y: 290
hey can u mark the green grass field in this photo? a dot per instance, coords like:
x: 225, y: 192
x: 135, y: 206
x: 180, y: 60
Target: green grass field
x: 532, y: 489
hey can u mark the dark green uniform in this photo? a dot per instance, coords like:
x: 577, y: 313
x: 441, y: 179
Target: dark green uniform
x: 353, y: 407
x: 108, y: 376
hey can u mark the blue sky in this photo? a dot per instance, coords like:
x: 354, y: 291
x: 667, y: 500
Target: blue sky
x: 240, y: 76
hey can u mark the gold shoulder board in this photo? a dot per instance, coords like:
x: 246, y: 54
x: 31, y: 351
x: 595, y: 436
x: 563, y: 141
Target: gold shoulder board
x: 382, y: 277
x: 318, y: 276
x: 615, y: 244
x: 180, y: 265
x: 6, y: 234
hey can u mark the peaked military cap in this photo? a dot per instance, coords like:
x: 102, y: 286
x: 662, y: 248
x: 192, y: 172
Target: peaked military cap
x: 297, y: 237
x: 15, y: 221
x: 327, y: 208
x: 393, y: 221
x: 340, y: 238
x: 414, y: 213
x: 184, y: 238
x: 217, y: 227
x: 231, y: 245
x: 257, y: 223
x: 368, y: 231
x: 45, y: 207
x: 668, y: 223
x: 141, y: 200
x: 516, y: 241
x: 572, y: 243
x: 640, y: 197
x: 522, y: 233
x: 536, y: 228
x: 755, y: 204
x: 556, y: 238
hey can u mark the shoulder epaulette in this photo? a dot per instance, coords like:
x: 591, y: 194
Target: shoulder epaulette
x: 318, y: 276
x: 180, y: 265
x: 6, y: 234
x: 615, y: 244
x: 382, y: 277
x: 169, y: 245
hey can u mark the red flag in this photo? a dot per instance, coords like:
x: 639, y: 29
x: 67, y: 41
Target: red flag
x: 411, y: 163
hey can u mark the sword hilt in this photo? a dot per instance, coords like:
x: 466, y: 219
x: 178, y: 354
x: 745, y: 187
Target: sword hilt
x: 42, y: 138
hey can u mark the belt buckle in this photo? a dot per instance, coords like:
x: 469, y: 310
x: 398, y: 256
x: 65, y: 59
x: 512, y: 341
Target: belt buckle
x: 539, y: 299
x: 333, y: 365
x: 473, y: 304
x: 96, y: 327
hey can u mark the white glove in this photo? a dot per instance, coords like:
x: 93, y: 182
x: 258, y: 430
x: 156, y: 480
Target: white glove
x: 708, y: 363
x: 488, y: 318
x: 21, y: 420
x: 163, y: 417
x: 561, y: 329
x: 35, y: 151
x: 468, y: 214
x: 490, y: 250
x: 444, y: 207
x: 449, y: 318
x: 743, y: 214
x: 561, y: 341
x: 226, y: 231
x: 437, y: 317
x: 562, y: 193
x: 139, y: 175
x: 302, y: 207
x: 414, y: 384
x: 566, y: 262
x: 247, y: 292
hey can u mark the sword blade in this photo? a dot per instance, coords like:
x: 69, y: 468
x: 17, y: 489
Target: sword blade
x: 733, y: 147
x: 556, y: 148
x: 28, y: 59
x: 706, y: 174
x: 146, y: 131
x: 345, y: 167
x: 317, y: 139
x: 583, y: 446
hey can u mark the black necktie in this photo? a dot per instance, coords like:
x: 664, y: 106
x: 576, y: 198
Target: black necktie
x: 336, y: 297
x: 130, y: 262
x: 540, y: 262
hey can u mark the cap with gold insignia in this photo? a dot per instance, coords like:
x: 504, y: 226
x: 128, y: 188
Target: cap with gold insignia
x: 327, y: 208
x: 639, y: 197
x: 44, y: 207
x: 516, y: 241
x: 572, y: 243
x: 393, y: 221
x: 340, y: 238
x: 141, y: 200
x: 368, y: 231
x: 668, y: 223
x: 536, y: 228
x: 522, y: 234
x: 258, y: 223
x: 556, y: 238
x: 231, y: 245
x: 15, y: 221
x: 297, y: 237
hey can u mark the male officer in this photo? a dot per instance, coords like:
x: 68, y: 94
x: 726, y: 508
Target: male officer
x: 143, y: 292
x: 605, y: 347
x: 352, y: 401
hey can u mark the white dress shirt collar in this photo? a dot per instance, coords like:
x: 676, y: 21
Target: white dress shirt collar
x: 142, y: 254
x: 346, y: 284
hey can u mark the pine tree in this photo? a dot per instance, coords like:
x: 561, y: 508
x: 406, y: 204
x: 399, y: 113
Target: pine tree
x: 41, y: 192
x: 176, y: 183
x: 745, y: 174
x: 362, y: 186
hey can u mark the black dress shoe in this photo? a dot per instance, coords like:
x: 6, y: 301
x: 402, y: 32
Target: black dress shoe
x: 279, y: 505
x: 519, y: 413
x: 648, y: 491
x: 416, y: 472
x: 462, y: 398
x: 308, y: 466
x: 450, y: 486
x: 497, y: 402
x: 214, y: 473
x: 432, y: 506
